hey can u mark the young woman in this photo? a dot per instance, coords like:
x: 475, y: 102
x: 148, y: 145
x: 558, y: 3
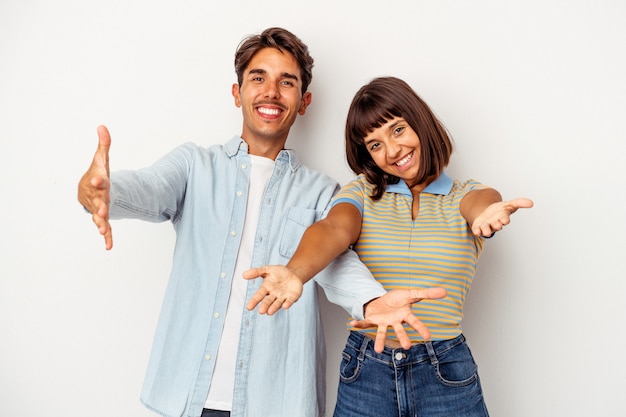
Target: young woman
x: 413, y: 226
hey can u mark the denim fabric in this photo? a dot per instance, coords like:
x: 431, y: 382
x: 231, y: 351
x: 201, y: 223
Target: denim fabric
x: 203, y: 193
x: 432, y: 379
x: 215, y: 413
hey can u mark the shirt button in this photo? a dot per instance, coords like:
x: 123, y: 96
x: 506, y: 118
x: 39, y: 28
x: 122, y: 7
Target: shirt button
x: 244, y: 166
x: 223, y: 275
x: 233, y: 233
x: 207, y: 357
x: 216, y: 315
x: 239, y: 193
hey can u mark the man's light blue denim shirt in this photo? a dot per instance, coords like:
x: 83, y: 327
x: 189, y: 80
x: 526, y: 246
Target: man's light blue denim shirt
x: 281, y: 358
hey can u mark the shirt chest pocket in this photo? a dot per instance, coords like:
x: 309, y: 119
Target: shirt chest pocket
x: 296, y: 222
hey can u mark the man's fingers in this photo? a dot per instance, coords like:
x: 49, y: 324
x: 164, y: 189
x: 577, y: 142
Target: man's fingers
x: 100, y: 182
x: 104, y: 138
x: 430, y: 293
x: 418, y: 325
x: 436, y: 292
x: 381, y: 336
x: 104, y: 142
x: 94, y: 187
x: 108, y: 239
x: 104, y: 228
x: 101, y: 158
x: 100, y: 208
x: 403, y: 338
x: 361, y: 324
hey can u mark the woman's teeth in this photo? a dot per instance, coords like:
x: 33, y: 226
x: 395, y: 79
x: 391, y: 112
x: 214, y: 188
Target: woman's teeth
x: 404, y: 160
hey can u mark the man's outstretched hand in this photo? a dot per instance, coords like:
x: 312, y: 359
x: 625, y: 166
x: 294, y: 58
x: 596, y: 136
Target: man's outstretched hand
x: 95, y: 186
x: 392, y: 310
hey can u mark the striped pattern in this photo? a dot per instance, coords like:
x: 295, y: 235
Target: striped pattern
x: 435, y: 249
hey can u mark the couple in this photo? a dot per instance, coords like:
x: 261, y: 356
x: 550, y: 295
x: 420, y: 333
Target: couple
x: 249, y: 202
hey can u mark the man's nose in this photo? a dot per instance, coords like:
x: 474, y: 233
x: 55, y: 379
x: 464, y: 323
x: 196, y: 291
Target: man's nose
x: 271, y: 90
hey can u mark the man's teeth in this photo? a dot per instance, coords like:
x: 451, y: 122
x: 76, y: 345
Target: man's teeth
x: 404, y: 160
x: 271, y: 112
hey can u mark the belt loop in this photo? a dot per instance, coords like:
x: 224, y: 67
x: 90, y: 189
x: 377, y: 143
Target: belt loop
x: 431, y: 353
x: 363, y: 348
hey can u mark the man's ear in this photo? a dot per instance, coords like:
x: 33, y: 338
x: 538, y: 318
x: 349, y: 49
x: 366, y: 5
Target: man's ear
x: 235, y: 93
x: 306, y: 100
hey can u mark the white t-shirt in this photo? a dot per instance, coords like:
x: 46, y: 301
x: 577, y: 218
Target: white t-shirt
x: 220, y: 395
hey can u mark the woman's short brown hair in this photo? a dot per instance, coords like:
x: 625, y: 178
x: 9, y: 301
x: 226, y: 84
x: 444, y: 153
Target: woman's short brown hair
x: 280, y: 39
x: 376, y: 103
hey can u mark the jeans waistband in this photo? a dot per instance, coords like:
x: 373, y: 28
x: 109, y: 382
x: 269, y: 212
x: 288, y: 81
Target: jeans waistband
x: 421, y: 352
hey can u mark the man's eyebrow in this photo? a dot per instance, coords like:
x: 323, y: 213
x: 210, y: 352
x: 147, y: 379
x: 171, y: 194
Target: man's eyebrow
x: 284, y: 74
x: 289, y: 75
x: 257, y: 71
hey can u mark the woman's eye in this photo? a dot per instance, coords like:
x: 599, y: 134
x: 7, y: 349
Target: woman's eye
x: 398, y: 130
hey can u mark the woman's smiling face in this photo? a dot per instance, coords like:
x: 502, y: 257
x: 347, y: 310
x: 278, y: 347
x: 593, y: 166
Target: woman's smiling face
x: 395, y: 148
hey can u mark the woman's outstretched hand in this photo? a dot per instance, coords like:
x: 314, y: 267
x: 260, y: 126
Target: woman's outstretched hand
x: 280, y: 289
x: 498, y: 215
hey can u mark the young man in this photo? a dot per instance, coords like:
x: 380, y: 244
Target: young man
x: 245, y: 203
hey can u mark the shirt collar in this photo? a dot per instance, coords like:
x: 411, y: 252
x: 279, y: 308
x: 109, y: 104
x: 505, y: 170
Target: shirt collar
x: 236, y: 144
x: 442, y: 185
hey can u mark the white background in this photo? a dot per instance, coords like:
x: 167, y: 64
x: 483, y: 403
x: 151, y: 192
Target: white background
x: 533, y: 93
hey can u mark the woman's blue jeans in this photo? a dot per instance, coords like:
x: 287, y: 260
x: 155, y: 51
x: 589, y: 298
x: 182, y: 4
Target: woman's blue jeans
x: 431, y: 379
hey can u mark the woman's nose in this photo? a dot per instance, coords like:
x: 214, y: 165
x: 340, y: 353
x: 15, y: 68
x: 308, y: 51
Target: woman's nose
x: 393, y: 149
